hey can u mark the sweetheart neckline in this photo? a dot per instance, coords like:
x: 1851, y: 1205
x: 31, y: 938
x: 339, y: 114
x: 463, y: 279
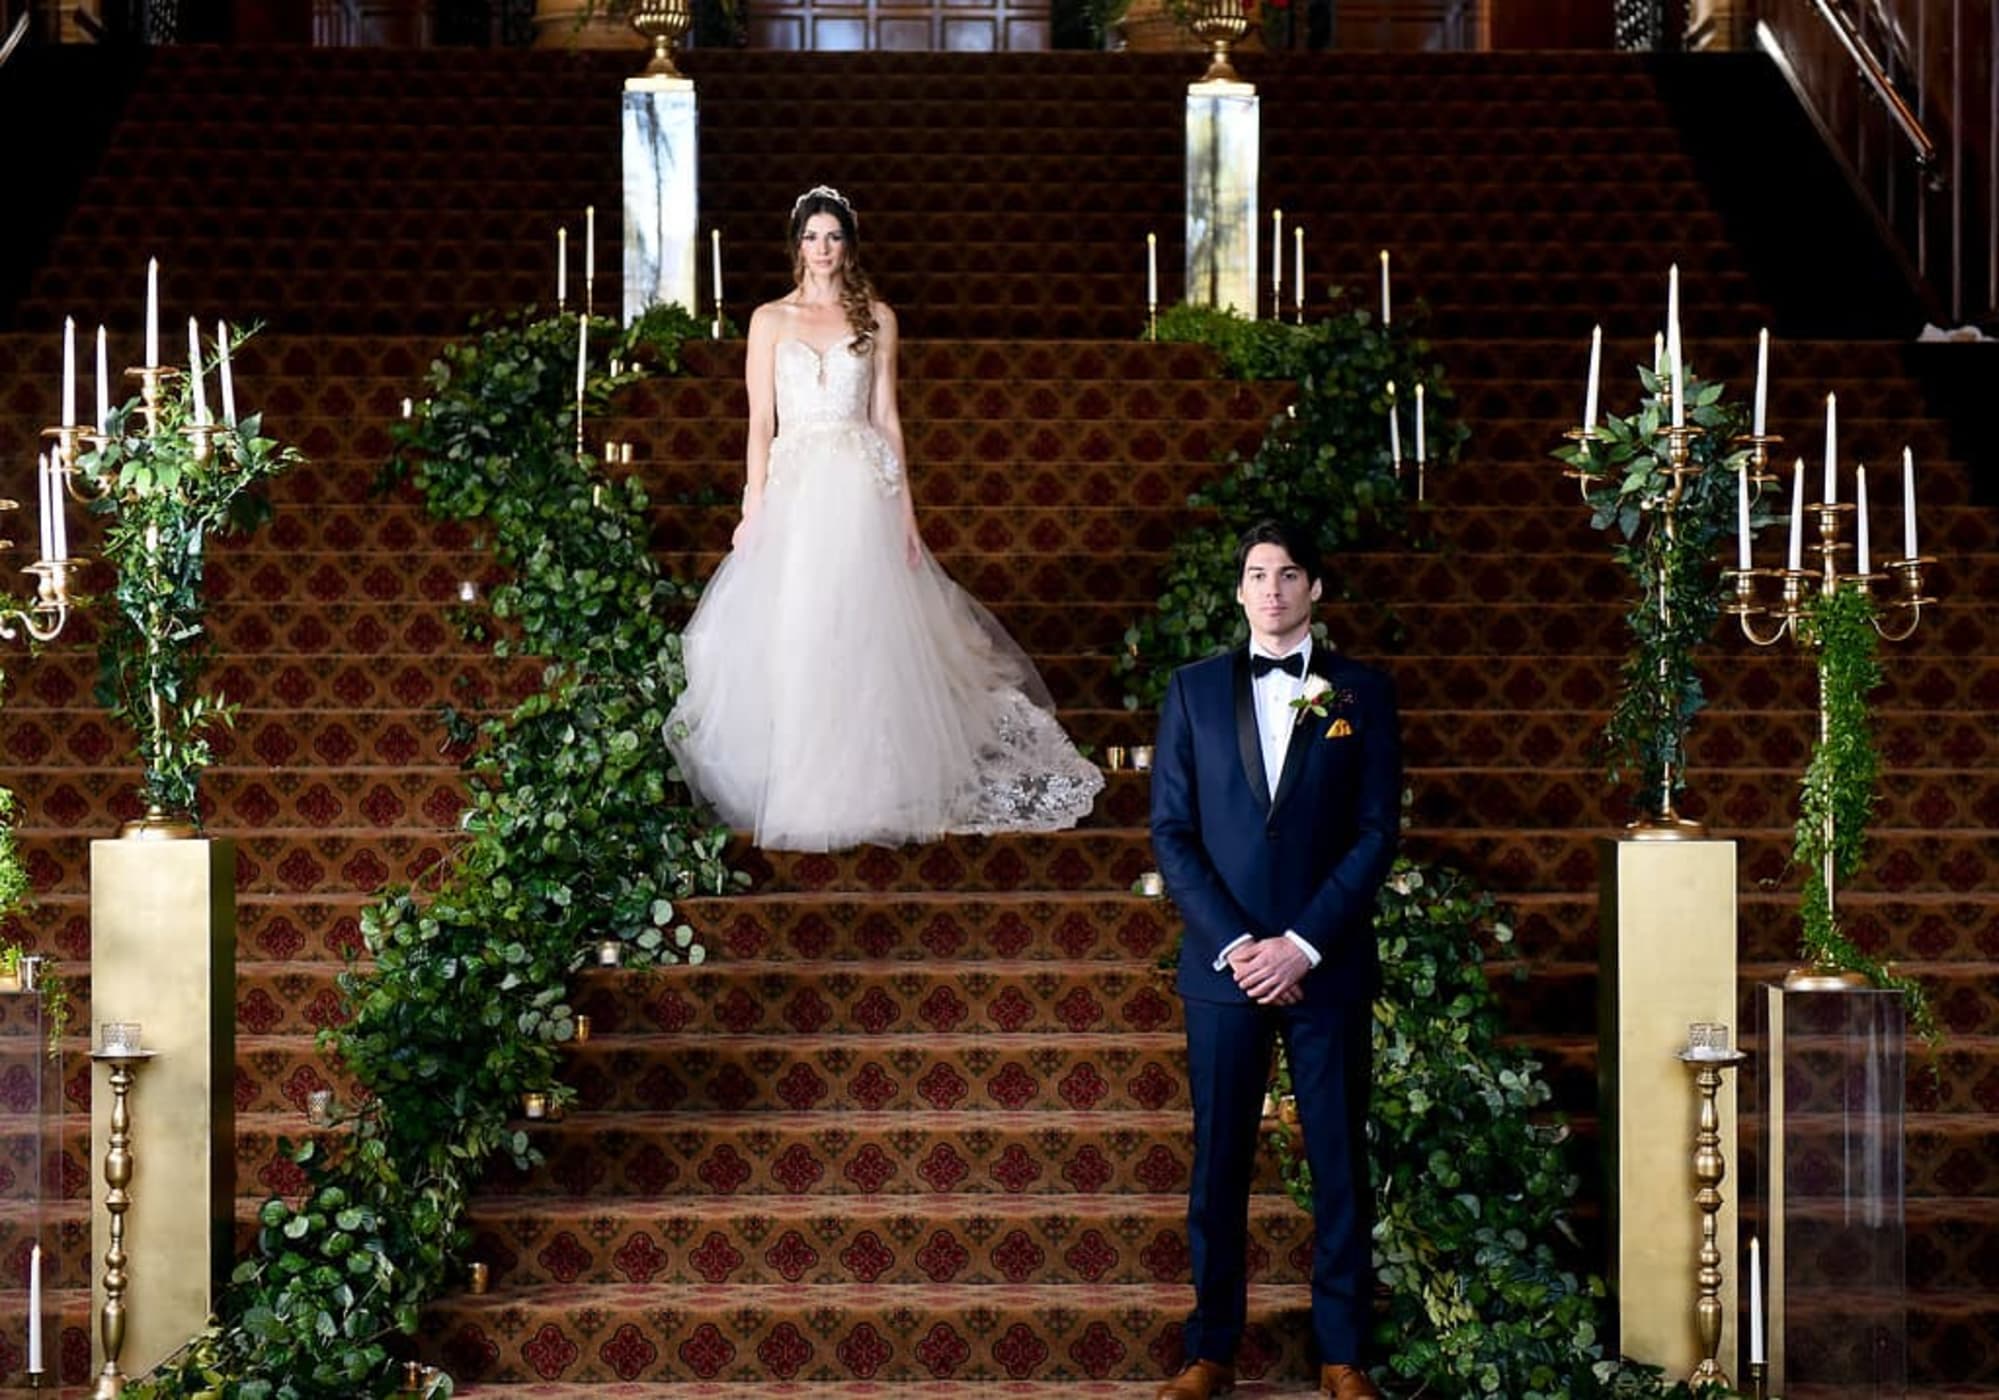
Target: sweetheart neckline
x: 816, y: 352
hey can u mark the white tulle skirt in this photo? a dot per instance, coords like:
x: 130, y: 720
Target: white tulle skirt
x: 838, y: 695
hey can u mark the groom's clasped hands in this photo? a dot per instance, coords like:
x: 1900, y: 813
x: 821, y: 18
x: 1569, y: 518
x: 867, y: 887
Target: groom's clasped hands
x: 1270, y: 970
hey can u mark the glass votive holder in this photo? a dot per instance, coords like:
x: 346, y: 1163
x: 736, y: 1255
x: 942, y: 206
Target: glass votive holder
x: 610, y: 953
x: 534, y: 1105
x: 118, y: 1037
x: 1151, y: 884
x: 1707, y: 1040
x: 1115, y: 757
x: 582, y: 1029
x: 319, y: 1107
x: 478, y: 1278
x: 468, y: 591
x: 1141, y: 757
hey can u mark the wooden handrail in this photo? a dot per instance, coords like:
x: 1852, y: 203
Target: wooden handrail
x: 1884, y: 88
x: 14, y: 39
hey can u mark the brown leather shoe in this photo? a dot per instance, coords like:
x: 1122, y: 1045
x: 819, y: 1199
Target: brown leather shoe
x: 1346, y: 1383
x: 1199, y: 1381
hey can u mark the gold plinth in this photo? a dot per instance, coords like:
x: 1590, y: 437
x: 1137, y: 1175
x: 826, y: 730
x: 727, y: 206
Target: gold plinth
x: 1667, y: 961
x: 163, y: 954
x: 159, y: 825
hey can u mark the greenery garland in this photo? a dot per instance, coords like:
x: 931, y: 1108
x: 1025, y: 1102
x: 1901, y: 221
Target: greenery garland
x: 1471, y: 1193
x: 1837, y: 793
x: 577, y: 832
x: 1659, y: 689
x: 1324, y: 464
x: 164, y: 503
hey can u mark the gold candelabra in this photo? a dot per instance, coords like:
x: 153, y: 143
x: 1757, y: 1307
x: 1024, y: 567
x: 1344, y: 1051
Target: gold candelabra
x: 123, y: 1062
x: 1766, y: 620
x: 1709, y: 1062
x: 1661, y: 512
x: 1220, y: 24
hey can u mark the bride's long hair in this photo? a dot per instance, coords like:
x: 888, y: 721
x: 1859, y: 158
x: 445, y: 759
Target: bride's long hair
x: 857, y: 289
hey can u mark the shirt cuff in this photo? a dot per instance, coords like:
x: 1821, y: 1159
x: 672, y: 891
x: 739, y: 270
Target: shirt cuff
x: 1311, y: 953
x: 1222, y: 960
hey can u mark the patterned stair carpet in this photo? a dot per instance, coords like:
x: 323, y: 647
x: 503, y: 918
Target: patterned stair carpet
x: 921, y: 1121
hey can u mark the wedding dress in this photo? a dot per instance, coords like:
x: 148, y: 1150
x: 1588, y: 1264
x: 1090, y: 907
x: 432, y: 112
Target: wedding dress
x: 836, y: 694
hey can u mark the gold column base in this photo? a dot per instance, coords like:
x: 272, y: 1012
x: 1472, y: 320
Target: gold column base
x: 1666, y: 828
x: 1823, y: 977
x: 159, y: 825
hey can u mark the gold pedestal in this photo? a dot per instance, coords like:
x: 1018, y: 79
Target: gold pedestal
x: 1667, y: 961
x: 163, y: 954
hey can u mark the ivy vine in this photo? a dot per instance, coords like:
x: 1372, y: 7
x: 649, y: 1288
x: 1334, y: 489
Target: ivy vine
x: 1324, y: 464
x: 1471, y: 1180
x: 577, y: 832
x: 1659, y: 688
x: 1836, y: 797
x: 164, y: 500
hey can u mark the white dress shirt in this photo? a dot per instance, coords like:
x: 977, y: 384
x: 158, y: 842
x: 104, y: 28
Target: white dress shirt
x: 1272, y: 694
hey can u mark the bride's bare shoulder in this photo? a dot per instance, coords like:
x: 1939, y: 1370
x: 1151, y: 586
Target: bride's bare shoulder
x: 771, y: 317
x: 884, y: 315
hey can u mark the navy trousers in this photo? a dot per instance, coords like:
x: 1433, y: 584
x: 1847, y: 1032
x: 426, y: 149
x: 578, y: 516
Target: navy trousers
x: 1329, y: 1048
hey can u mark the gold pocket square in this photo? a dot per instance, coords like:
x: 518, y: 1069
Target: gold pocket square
x: 1340, y: 729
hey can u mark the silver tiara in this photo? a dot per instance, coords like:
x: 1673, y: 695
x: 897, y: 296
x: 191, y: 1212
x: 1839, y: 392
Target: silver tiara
x: 824, y: 192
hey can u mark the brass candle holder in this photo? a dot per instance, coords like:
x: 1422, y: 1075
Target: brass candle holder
x: 1770, y: 606
x: 123, y: 1059
x: 663, y: 23
x: 1220, y: 24
x: 1709, y: 1062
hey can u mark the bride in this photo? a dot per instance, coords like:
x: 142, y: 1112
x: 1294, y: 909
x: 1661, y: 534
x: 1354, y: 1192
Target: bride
x: 840, y: 687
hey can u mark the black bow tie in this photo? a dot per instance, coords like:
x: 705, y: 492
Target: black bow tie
x: 1292, y: 665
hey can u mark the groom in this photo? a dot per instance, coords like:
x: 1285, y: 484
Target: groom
x: 1275, y: 802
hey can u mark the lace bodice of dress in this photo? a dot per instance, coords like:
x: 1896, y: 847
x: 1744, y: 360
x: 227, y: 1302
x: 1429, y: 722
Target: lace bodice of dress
x: 822, y: 388
x: 822, y: 408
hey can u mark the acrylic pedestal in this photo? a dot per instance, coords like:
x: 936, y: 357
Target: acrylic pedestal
x: 30, y: 1181
x: 1827, y: 1106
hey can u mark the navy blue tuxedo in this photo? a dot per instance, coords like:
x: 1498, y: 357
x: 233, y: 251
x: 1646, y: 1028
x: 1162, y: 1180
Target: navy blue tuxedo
x: 1308, y: 860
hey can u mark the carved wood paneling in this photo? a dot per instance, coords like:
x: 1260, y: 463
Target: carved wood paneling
x: 960, y: 26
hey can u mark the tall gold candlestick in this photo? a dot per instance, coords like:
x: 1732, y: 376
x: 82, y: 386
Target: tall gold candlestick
x: 124, y: 1064
x: 1709, y: 1064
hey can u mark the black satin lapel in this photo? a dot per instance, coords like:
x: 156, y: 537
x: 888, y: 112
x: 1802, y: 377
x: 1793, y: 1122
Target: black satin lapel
x: 1247, y: 740
x: 1302, y: 731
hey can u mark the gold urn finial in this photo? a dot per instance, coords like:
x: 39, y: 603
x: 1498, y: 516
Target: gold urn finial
x: 1219, y: 24
x: 664, y: 23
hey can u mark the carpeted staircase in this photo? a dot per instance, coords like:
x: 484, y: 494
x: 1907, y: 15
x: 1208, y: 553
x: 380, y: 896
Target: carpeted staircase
x: 920, y: 1121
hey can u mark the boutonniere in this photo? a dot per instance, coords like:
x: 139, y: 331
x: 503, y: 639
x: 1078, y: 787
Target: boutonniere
x: 1323, y: 700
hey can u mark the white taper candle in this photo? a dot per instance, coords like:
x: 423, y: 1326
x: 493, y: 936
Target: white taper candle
x: 1276, y: 261
x: 1394, y: 427
x: 1756, y: 1356
x: 582, y: 360
x: 152, y: 312
x: 715, y: 257
x: 1762, y: 419
x: 1595, y: 378
x: 562, y: 267
x: 44, y: 479
x: 1742, y: 518
x: 1151, y: 269
x: 1863, y: 555
x: 103, y: 383
x: 228, y: 379
x: 194, y: 373
x: 35, y: 1311
x: 1831, y: 496
x: 1420, y: 458
x: 1795, y: 560
x: 1908, y: 504
x: 589, y: 243
x: 69, y: 371
x: 1298, y: 267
